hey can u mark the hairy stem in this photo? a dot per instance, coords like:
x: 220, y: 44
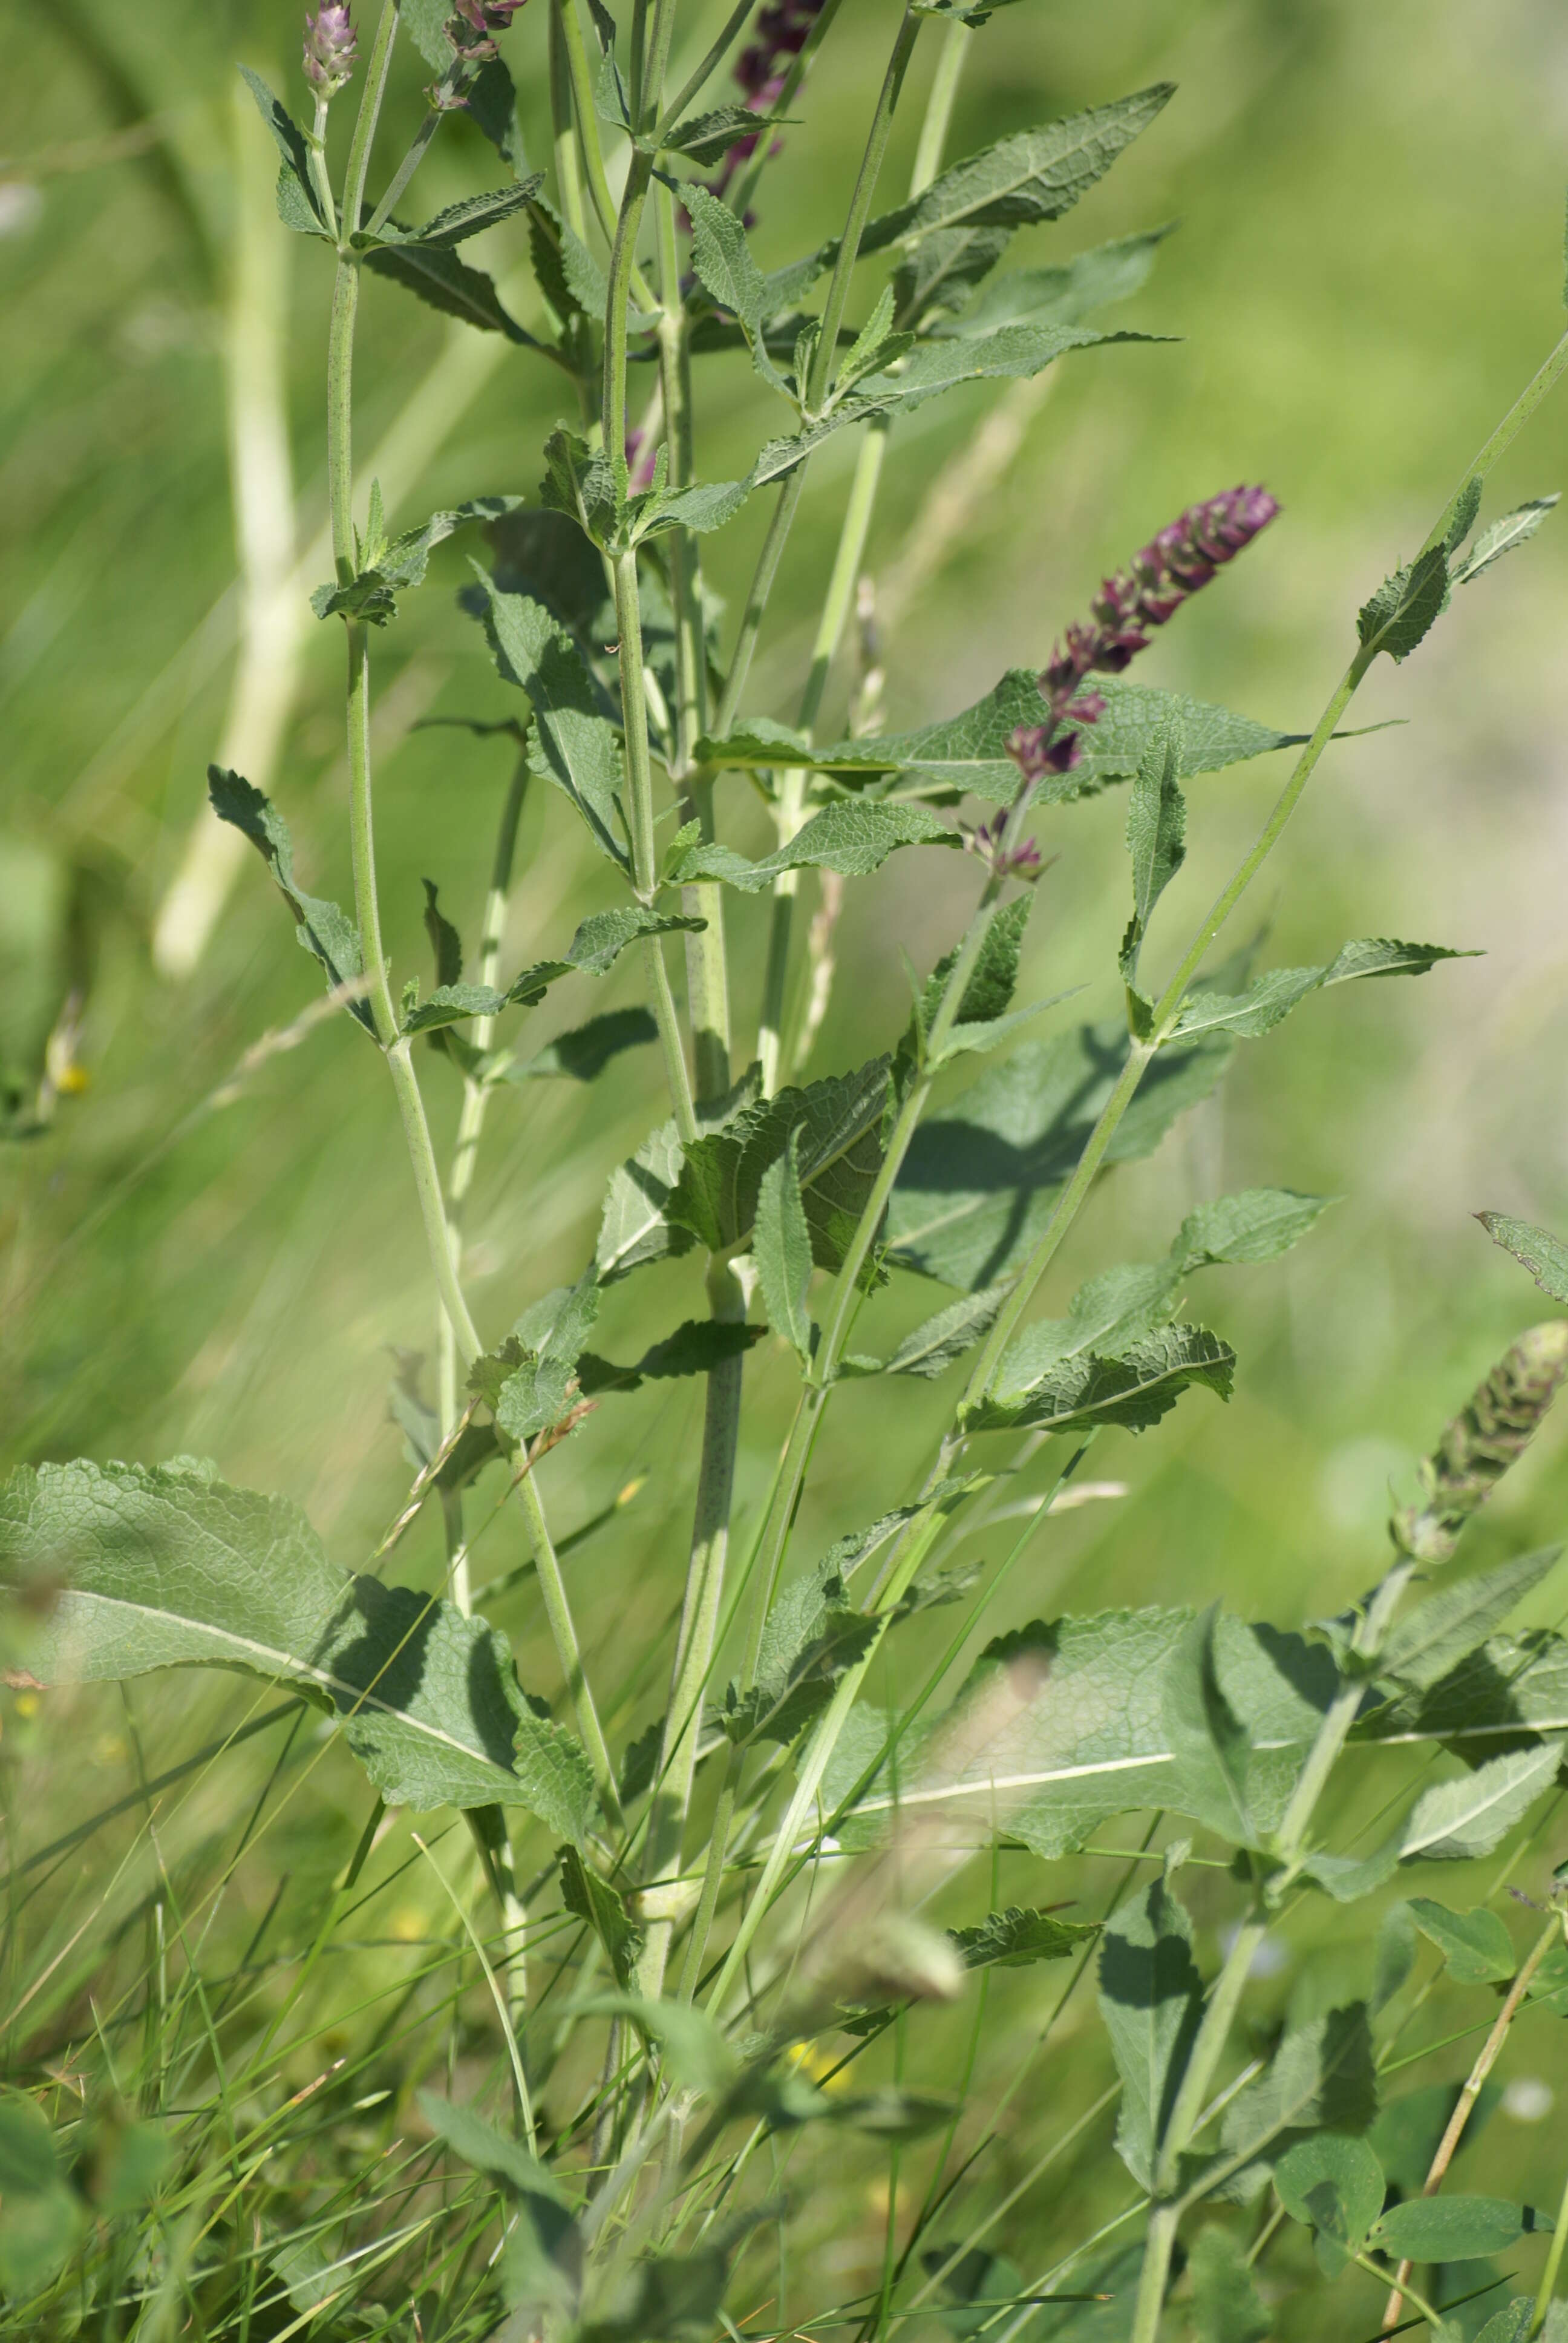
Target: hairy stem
x: 860, y: 202
x: 563, y: 138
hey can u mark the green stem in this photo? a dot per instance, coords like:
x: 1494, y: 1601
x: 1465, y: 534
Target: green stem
x: 622, y: 262
x: 1433, y: 2319
x: 320, y: 178
x: 365, y: 121
x: 1507, y: 431
x: 699, y: 1619
x: 940, y: 108
x: 757, y: 595
x: 709, y: 66
x: 580, y: 76
x: 1553, y: 2265
x: 859, y: 213
x: 739, y: 195
x: 568, y: 183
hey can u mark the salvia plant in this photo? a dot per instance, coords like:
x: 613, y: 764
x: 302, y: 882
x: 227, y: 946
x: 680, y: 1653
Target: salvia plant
x: 690, y: 1938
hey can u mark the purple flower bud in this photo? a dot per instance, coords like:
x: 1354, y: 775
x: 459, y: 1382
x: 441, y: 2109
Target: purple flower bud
x: 1038, y: 749
x: 331, y: 48
x: 476, y: 20
x: 781, y: 32
x: 1023, y: 862
x: 1185, y: 555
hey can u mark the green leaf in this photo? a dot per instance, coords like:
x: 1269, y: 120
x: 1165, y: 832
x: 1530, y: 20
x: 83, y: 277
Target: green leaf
x: 1012, y: 354
x: 1511, y: 2324
x: 161, y: 1569
x: 1473, y: 1815
x: 442, y: 281
x: 839, y: 1122
x: 851, y: 838
x: 1405, y: 606
x: 296, y: 204
x: 1393, y: 1956
x: 446, y: 944
x: 781, y: 1248
x: 1016, y: 1939
x: 813, y: 1632
x: 1433, y: 1638
x: 591, y: 484
x: 484, y: 2148
x: 1543, y: 1254
x: 427, y: 21
x: 458, y: 222
x: 542, y: 2267
x: 967, y: 753
x: 696, y: 2054
x: 1256, y: 1224
x: 729, y: 275
x: 991, y: 980
x: 451, y: 1003
x: 1133, y: 1391
x: 1333, y: 2184
x: 1475, y: 1945
x: 1270, y: 998
x: 875, y: 348
x: 1209, y: 1744
x: 41, y: 2216
x: 1323, y: 2073
x: 1034, y: 176
x: 696, y: 1348
x: 581, y: 1054
x: 371, y: 595
x: 1454, y: 2228
x: 1063, y: 294
x: 635, y: 1228
x: 706, y: 505
x: 1226, y: 2305
x: 598, y: 942
x: 528, y: 1384
x: 1152, y: 1999
x: 323, y: 928
x: 704, y: 137
x: 1156, y: 836
x: 603, y: 1907
x: 571, y: 741
x: 933, y: 1347
x: 1509, y: 1686
x: 982, y: 1174
x: 1513, y: 528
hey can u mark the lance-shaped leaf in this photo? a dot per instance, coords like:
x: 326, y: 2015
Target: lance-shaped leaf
x: 838, y: 1127
x: 1156, y: 838
x: 598, y: 943
x: 592, y: 1898
x: 572, y: 740
x: 1063, y: 294
x: 635, y: 1228
x: 781, y: 1248
x: 458, y: 222
x: 1133, y: 1391
x: 1433, y: 1638
x: 729, y: 275
x: 323, y: 928
x: 1092, y: 1741
x: 1016, y: 1939
x: 697, y: 1347
x: 1400, y: 613
x: 298, y: 206
x: 982, y: 1174
x: 946, y: 1336
x: 581, y: 1054
x: 1152, y: 1999
x: 592, y: 484
x: 1471, y: 1816
x: 437, y: 277
x: 1543, y: 1254
x: 542, y: 2266
x: 162, y: 1568
x: 1270, y: 998
x: 1034, y: 176
x: 851, y: 838
x: 372, y: 594
x: 1454, y: 2228
x: 1514, y: 528
x: 967, y: 754
x: 703, y: 139
x: 705, y: 505
x: 813, y: 1632
x: 1012, y: 354
x: 1506, y: 1688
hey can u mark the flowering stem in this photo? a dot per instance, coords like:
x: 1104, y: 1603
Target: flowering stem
x: 320, y: 176
x: 563, y: 138
x: 859, y: 212
x: 704, y: 71
x: 365, y: 122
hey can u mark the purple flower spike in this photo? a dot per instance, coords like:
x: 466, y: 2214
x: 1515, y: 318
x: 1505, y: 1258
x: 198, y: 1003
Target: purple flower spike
x: 471, y: 28
x: 1023, y: 862
x: 331, y: 48
x: 781, y: 32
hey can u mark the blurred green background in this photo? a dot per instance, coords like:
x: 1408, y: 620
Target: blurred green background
x: 1368, y: 266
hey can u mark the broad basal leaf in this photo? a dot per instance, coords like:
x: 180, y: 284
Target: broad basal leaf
x: 982, y: 1174
x: 1092, y: 1741
x: 572, y: 741
x: 160, y: 1568
x: 1152, y: 1999
x: 323, y: 928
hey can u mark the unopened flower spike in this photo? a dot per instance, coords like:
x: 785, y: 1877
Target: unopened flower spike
x: 1023, y: 862
x: 1168, y: 571
x: 331, y: 48
x: 1492, y: 1432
